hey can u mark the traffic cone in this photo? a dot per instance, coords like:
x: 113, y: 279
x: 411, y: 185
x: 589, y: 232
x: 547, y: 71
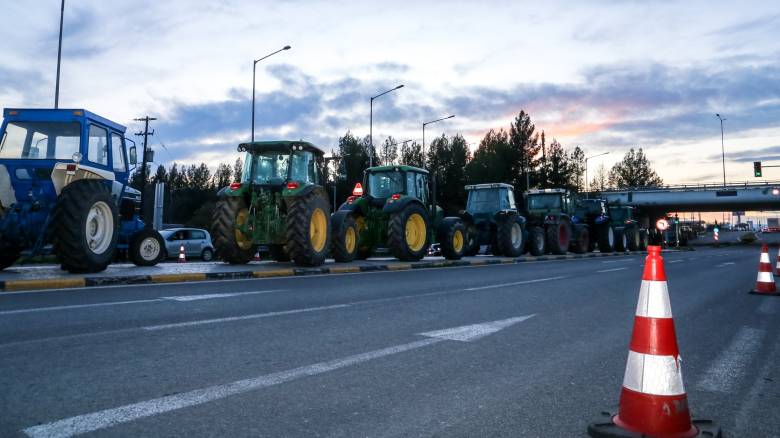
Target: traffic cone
x: 257, y: 256
x: 777, y: 264
x: 182, y: 257
x: 653, y: 402
x: 765, y: 282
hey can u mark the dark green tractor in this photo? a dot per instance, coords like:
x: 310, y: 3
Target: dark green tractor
x: 393, y: 209
x: 279, y: 202
x: 603, y: 232
x: 628, y: 228
x: 550, y: 214
x: 491, y: 218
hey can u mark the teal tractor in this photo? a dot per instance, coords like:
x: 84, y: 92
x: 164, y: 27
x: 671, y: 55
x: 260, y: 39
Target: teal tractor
x: 393, y: 208
x: 64, y: 185
x: 492, y: 219
x: 552, y: 220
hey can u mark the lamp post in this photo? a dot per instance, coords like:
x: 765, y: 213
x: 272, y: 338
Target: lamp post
x: 722, y: 149
x: 371, y: 124
x: 587, y: 184
x: 428, y: 123
x: 59, y: 57
x: 254, y: 70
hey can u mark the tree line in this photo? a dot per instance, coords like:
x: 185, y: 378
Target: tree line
x: 520, y: 155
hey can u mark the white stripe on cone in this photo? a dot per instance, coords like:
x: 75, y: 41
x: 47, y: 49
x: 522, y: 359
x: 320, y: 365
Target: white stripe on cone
x: 764, y: 257
x: 765, y: 277
x: 653, y: 300
x: 656, y: 375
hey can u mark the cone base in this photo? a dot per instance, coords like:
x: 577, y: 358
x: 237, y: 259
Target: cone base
x: 605, y: 427
x: 755, y: 292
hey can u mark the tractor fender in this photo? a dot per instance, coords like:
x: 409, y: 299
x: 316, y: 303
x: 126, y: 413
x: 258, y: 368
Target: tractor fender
x: 226, y: 192
x: 396, y: 206
x: 501, y: 214
x: 445, y: 224
x: 466, y: 217
x: 337, y: 218
x: 7, y: 195
x: 61, y: 176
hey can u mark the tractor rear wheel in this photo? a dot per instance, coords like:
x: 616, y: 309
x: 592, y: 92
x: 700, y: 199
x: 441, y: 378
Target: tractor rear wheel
x: 509, y: 236
x: 620, y: 240
x: 308, y: 229
x: 536, y: 241
x: 407, y: 233
x: 452, y: 238
x: 606, y: 238
x: 581, y: 241
x: 558, y: 237
x: 472, y: 241
x: 85, y: 227
x: 632, y: 239
x: 230, y: 243
x: 345, y: 240
x: 147, y: 248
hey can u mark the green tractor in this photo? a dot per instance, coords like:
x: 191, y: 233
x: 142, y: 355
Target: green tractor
x: 603, y: 233
x: 551, y: 220
x: 279, y: 202
x: 491, y: 218
x: 623, y: 218
x: 393, y: 208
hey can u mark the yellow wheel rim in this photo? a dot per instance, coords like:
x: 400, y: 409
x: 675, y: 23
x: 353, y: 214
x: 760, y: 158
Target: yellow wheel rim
x: 350, y: 239
x: 318, y: 229
x: 457, y: 241
x: 241, y: 240
x: 361, y: 223
x: 415, y: 232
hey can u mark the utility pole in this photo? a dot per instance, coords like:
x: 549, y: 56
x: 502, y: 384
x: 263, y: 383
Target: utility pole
x: 146, y: 135
x: 59, y: 57
x: 722, y: 148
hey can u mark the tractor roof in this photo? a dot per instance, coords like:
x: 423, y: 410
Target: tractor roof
x: 279, y: 145
x: 58, y: 115
x: 545, y: 191
x: 400, y: 167
x: 489, y: 186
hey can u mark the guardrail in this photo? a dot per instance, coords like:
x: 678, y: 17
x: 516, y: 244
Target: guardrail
x: 705, y: 186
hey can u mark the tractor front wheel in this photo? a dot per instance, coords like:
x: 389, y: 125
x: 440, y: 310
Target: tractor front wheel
x: 147, y: 248
x: 621, y: 242
x: 472, y: 241
x: 558, y: 237
x: 633, y: 241
x: 85, y: 227
x: 308, y: 229
x: 582, y: 240
x: 606, y: 238
x: 452, y: 238
x: 509, y: 236
x: 345, y: 240
x: 407, y: 233
x: 536, y: 241
x: 231, y: 244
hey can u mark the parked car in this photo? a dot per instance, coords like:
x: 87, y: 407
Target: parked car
x: 197, y: 243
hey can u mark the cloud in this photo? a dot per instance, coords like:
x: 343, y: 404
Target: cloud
x: 770, y: 153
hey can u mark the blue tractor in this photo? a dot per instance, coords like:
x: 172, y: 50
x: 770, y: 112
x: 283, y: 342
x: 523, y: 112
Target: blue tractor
x: 64, y: 185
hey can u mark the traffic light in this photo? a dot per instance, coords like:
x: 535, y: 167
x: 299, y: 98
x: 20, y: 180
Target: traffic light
x: 757, y: 169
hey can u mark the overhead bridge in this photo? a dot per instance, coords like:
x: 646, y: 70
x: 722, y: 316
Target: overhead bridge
x: 705, y: 197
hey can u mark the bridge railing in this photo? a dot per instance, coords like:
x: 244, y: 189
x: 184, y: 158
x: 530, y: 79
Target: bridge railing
x: 699, y: 186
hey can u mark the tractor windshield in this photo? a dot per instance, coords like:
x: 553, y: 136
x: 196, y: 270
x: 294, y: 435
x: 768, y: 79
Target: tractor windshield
x: 41, y: 140
x: 482, y: 201
x: 385, y: 184
x: 274, y: 167
x: 544, y: 202
x: 618, y: 214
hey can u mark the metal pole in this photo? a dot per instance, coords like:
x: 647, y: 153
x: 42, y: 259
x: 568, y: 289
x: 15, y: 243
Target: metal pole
x: 371, y: 134
x: 59, y: 58
x: 722, y: 148
x: 423, y: 149
x: 254, y: 69
x: 587, y: 185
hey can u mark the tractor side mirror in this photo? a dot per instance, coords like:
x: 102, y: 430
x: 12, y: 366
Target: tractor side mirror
x: 132, y: 155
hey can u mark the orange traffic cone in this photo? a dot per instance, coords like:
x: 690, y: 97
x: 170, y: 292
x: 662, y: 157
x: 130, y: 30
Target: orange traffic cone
x: 257, y: 256
x: 765, y: 282
x: 653, y: 402
x: 182, y: 257
x: 777, y: 264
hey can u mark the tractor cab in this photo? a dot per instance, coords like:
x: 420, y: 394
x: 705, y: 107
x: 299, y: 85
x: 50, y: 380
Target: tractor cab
x: 548, y: 201
x: 593, y: 211
x: 281, y: 164
x: 384, y: 185
x: 484, y: 200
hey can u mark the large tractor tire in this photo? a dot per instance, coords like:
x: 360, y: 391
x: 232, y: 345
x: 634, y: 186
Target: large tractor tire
x: 632, y: 239
x: 407, y: 233
x: 536, y: 241
x: 606, y: 238
x: 278, y: 253
x: 472, y: 241
x: 581, y: 241
x: 85, y: 227
x: 147, y: 248
x: 558, y: 237
x: 345, y: 238
x: 644, y: 240
x: 621, y: 242
x: 452, y: 238
x: 231, y: 245
x: 308, y: 229
x: 509, y: 236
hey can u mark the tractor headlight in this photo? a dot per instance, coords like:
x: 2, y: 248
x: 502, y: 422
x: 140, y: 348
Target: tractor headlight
x: 77, y: 157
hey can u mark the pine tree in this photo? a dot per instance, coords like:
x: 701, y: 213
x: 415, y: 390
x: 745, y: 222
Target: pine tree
x: 525, y: 147
x: 634, y: 171
x: 411, y: 154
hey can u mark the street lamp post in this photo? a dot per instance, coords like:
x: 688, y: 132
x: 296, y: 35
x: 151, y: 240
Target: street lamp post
x: 722, y: 148
x: 428, y: 123
x: 59, y: 58
x: 371, y: 124
x: 254, y: 70
x: 587, y: 184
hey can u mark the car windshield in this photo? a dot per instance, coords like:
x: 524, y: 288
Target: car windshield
x: 41, y: 140
x: 482, y: 201
x: 544, y: 202
x: 385, y: 184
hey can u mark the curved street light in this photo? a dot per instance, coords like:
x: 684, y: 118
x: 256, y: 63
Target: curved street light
x: 428, y: 123
x: 371, y: 124
x: 254, y: 69
x: 587, y: 184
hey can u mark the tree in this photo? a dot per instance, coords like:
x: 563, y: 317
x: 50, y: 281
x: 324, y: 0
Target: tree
x: 389, y: 152
x: 223, y: 176
x: 492, y: 160
x: 411, y: 154
x: 524, y: 147
x: 238, y: 168
x: 634, y: 171
x: 600, y: 181
x: 161, y: 175
x: 557, y: 168
x: 577, y: 162
x: 352, y: 157
x: 447, y: 161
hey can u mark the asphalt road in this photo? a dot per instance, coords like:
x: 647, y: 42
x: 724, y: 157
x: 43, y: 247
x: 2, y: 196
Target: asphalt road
x: 370, y: 355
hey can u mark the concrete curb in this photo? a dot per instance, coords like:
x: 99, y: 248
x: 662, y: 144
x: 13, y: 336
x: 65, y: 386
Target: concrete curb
x: 82, y: 282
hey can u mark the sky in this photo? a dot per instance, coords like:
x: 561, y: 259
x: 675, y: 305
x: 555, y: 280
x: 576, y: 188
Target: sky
x: 602, y: 75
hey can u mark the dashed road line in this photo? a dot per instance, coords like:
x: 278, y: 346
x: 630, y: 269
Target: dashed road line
x: 613, y: 270
x: 516, y: 283
x: 729, y: 366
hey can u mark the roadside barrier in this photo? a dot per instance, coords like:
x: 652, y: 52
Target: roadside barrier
x: 765, y: 281
x: 653, y: 401
x: 182, y: 257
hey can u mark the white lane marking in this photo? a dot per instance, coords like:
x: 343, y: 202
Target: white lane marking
x: 472, y: 332
x: 516, y: 283
x: 613, y: 270
x: 724, y: 264
x: 768, y: 307
x: 620, y: 261
x: 111, y: 417
x: 240, y: 318
x: 729, y: 366
x: 676, y: 261
x: 185, y: 298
